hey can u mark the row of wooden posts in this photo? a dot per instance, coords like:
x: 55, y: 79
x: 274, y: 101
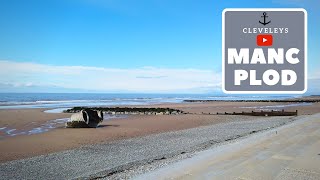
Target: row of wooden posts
x: 260, y: 113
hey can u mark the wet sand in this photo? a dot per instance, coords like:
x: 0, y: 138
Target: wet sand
x: 60, y: 138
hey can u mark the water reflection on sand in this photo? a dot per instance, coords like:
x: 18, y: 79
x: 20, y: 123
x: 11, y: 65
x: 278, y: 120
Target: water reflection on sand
x: 49, y: 125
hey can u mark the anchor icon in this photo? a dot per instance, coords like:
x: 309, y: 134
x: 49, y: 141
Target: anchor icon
x: 264, y: 19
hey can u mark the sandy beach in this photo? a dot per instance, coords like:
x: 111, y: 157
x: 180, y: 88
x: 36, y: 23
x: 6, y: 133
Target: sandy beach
x: 104, y: 160
x: 59, y: 138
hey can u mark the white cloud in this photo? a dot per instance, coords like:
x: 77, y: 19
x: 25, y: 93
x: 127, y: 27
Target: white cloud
x: 145, y: 79
x: 32, y: 77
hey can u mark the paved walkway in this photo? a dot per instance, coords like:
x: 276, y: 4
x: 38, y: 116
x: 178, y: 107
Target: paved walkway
x: 288, y: 152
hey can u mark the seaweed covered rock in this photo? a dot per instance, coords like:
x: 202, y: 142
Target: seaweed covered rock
x: 129, y: 110
x: 85, y: 119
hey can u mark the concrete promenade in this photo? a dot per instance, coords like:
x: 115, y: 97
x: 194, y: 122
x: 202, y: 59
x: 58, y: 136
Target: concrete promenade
x: 288, y: 152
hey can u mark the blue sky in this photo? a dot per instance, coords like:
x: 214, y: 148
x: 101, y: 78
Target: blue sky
x: 141, y: 42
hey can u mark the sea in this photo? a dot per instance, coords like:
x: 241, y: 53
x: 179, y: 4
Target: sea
x: 67, y: 100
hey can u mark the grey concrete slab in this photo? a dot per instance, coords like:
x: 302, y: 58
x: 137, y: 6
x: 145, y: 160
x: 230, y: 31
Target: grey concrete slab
x: 288, y: 152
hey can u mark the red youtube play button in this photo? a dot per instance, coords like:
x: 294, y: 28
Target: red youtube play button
x: 264, y: 40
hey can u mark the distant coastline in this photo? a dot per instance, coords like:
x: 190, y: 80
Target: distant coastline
x: 69, y: 100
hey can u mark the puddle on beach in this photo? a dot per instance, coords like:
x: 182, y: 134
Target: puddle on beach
x: 42, y: 128
x: 7, y: 131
